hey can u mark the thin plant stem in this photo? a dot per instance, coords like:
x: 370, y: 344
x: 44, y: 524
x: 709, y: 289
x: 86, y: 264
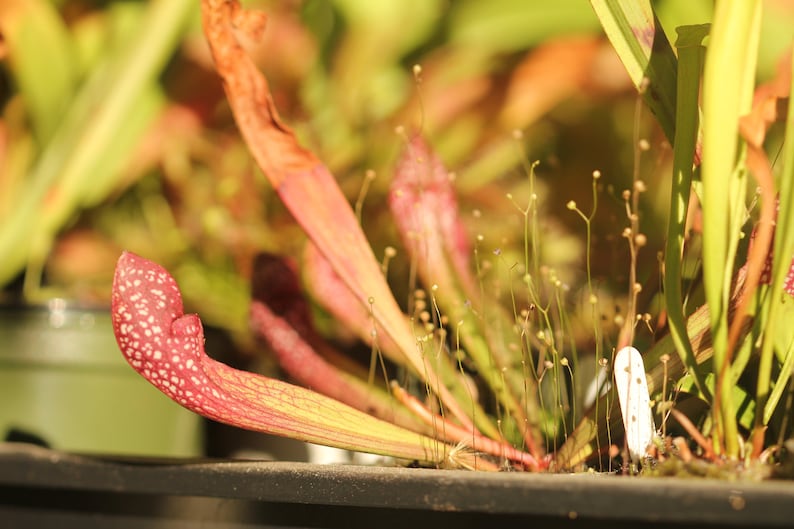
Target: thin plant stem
x: 690, y: 63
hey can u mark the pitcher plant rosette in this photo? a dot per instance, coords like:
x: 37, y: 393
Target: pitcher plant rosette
x: 474, y: 381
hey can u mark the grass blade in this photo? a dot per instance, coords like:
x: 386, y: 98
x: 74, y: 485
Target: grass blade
x: 640, y: 42
x: 727, y: 90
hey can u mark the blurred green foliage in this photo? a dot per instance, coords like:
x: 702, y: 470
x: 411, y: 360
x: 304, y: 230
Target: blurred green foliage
x: 115, y: 134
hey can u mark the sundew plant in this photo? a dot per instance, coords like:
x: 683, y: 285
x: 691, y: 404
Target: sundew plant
x: 459, y: 378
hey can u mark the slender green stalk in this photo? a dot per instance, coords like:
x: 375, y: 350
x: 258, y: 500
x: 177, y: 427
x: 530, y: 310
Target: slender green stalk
x: 690, y: 63
x: 770, y: 399
x: 778, y: 315
x: 727, y: 89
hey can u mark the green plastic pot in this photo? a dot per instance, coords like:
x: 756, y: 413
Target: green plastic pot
x: 64, y: 382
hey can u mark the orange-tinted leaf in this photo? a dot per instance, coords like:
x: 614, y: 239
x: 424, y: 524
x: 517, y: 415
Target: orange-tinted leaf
x: 769, y: 104
x: 305, y: 185
x: 548, y: 75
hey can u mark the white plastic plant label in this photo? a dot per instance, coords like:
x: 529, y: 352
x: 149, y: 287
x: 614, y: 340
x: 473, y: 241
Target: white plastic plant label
x: 635, y: 402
